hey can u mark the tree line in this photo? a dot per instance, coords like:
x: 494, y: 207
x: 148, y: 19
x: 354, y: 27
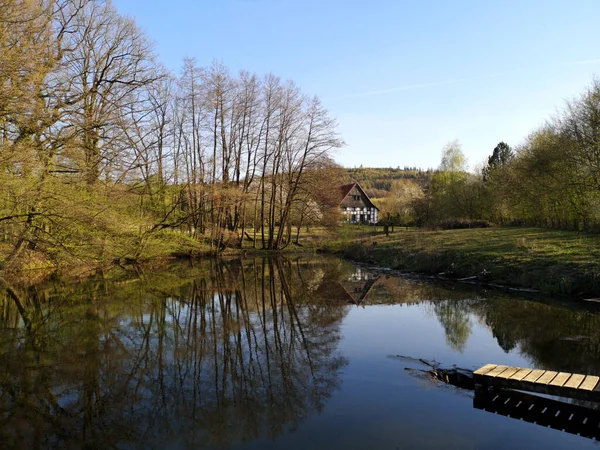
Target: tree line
x: 550, y: 180
x: 377, y: 182
x: 105, y: 154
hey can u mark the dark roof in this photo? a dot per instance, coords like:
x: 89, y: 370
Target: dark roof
x: 346, y: 188
x: 337, y: 291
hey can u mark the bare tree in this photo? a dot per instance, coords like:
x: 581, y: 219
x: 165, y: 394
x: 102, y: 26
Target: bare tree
x: 106, y: 61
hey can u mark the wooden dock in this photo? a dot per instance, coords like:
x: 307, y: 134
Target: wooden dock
x: 562, y: 384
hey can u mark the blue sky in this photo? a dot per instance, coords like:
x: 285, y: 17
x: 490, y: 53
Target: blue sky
x: 403, y: 78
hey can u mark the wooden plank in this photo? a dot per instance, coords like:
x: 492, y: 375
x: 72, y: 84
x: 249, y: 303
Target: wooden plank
x: 509, y: 372
x: 584, y: 387
x: 575, y: 380
x: 540, y: 388
x: 546, y: 377
x: 560, y: 379
x: 485, y: 369
x: 589, y: 383
x: 521, y: 374
x: 534, y: 375
x: 496, y: 371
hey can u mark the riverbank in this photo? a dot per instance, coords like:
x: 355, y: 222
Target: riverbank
x: 554, y: 262
x: 32, y: 267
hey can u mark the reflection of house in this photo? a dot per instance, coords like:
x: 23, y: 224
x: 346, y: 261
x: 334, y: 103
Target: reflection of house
x: 359, y: 285
x: 360, y: 276
x: 356, y: 205
x: 352, y: 289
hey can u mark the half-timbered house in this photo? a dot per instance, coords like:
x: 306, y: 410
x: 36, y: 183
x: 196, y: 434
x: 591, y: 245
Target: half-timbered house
x: 356, y: 206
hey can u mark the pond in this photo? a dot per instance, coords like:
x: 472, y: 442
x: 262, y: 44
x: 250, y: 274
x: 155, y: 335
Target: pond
x: 265, y: 353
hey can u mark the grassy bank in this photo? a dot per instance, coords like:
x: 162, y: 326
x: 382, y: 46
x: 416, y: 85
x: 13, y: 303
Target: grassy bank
x: 127, y: 249
x: 555, y: 262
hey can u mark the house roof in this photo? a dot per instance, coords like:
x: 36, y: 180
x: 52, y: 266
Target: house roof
x: 340, y: 291
x: 346, y: 188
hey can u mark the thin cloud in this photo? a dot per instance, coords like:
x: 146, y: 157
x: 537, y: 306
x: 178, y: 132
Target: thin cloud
x: 581, y: 62
x: 410, y: 87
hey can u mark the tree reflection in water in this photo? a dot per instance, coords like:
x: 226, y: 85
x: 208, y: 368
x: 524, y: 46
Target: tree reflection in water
x: 232, y: 351
x: 561, y: 335
x: 453, y: 315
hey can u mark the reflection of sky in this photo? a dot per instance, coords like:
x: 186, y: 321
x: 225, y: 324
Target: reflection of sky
x: 411, y: 330
x: 346, y: 393
x: 380, y: 405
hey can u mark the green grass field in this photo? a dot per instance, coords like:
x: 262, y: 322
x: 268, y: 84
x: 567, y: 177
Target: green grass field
x: 553, y: 261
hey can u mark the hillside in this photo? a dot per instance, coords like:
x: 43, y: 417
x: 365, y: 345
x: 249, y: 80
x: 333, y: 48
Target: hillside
x: 377, y: 181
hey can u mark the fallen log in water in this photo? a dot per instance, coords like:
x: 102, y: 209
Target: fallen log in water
x: 456, y: 376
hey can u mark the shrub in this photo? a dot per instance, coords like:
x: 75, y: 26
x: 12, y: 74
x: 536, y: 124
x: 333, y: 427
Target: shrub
x: 455, y: 224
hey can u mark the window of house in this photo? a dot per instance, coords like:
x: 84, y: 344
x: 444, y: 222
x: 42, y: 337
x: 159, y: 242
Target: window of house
x: 356, y: 197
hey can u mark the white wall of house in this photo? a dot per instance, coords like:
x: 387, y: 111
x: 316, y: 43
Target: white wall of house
x: 357, y: 215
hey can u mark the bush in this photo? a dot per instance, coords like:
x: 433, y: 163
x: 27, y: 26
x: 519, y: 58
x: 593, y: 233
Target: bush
x: 456, y: 224
x: 516, y: 223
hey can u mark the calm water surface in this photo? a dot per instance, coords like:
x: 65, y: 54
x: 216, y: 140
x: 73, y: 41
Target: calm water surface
x: 271, y: 353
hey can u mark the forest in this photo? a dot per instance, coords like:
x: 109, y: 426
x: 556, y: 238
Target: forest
x: 107, y: 156
x: 377, y: 182
x: 551, y: 180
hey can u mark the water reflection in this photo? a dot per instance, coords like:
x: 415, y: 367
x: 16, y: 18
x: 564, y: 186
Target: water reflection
x: 227, y: 352
x: 454, y: 317
x: 561, y: 335
x: 570, y: 417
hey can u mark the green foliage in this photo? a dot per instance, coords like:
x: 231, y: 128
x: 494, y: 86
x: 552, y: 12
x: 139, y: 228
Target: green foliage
x: 453, y: 159
x: 397, y: 208
x: 377, y: 182
x: 452, y: 193
x: 105, y: 157
x: 500, y: 157
x: 551, y: 180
